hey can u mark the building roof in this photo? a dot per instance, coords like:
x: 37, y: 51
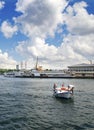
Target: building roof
x: 82, y: 65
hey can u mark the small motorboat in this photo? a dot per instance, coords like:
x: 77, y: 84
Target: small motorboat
x: 63, y: 92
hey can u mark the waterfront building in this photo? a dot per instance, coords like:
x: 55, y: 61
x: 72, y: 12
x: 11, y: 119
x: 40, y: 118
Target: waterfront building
x: 82, y: 70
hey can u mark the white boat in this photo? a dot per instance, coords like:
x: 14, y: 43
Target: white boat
x: 63, y: 92
x: 9, y: 74
x: 13, y: 74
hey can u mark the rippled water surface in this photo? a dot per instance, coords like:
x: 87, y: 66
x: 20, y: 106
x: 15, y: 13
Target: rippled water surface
x: 28, y: 104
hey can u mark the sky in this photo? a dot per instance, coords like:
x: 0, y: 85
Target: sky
x: 59, y: 32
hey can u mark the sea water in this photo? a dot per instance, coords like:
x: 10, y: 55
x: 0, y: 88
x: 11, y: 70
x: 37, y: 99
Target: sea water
x: 29, y: 104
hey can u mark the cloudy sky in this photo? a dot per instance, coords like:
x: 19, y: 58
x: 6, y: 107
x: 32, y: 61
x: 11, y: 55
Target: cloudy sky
x: 59, y: 32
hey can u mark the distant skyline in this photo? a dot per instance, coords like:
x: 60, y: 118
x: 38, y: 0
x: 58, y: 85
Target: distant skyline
x: 59, y: 32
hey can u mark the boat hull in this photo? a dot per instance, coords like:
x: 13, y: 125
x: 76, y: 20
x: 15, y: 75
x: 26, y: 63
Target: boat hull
x: 64, y: 94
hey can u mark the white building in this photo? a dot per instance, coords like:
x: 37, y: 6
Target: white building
x: 82, y: 70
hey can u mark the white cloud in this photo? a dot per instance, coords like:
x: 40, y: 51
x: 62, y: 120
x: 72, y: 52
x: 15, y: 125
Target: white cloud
x: 41, y: 49
x: 8, y: 30
x: 2, y: 3
x: 77, y: 49
x: 48, y: 54
x: 22, y: 5
x: 79, y: 43
x: 73, y: 50
x: 78, y: 20
x: 6, y: 61
x: 41, y: 18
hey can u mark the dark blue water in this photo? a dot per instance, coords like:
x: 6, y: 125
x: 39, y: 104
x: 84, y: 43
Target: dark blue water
x: 28, y: 104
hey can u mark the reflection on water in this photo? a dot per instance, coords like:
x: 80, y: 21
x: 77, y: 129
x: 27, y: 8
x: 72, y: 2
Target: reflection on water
x: 29, y: 104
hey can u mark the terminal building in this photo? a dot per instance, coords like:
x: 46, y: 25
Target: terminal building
x: 82, y: 70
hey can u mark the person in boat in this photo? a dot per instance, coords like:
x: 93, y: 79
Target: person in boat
x: 63, y: 85
x: 54, y: 87
x: 70, y: 88
x: 65, y: 88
